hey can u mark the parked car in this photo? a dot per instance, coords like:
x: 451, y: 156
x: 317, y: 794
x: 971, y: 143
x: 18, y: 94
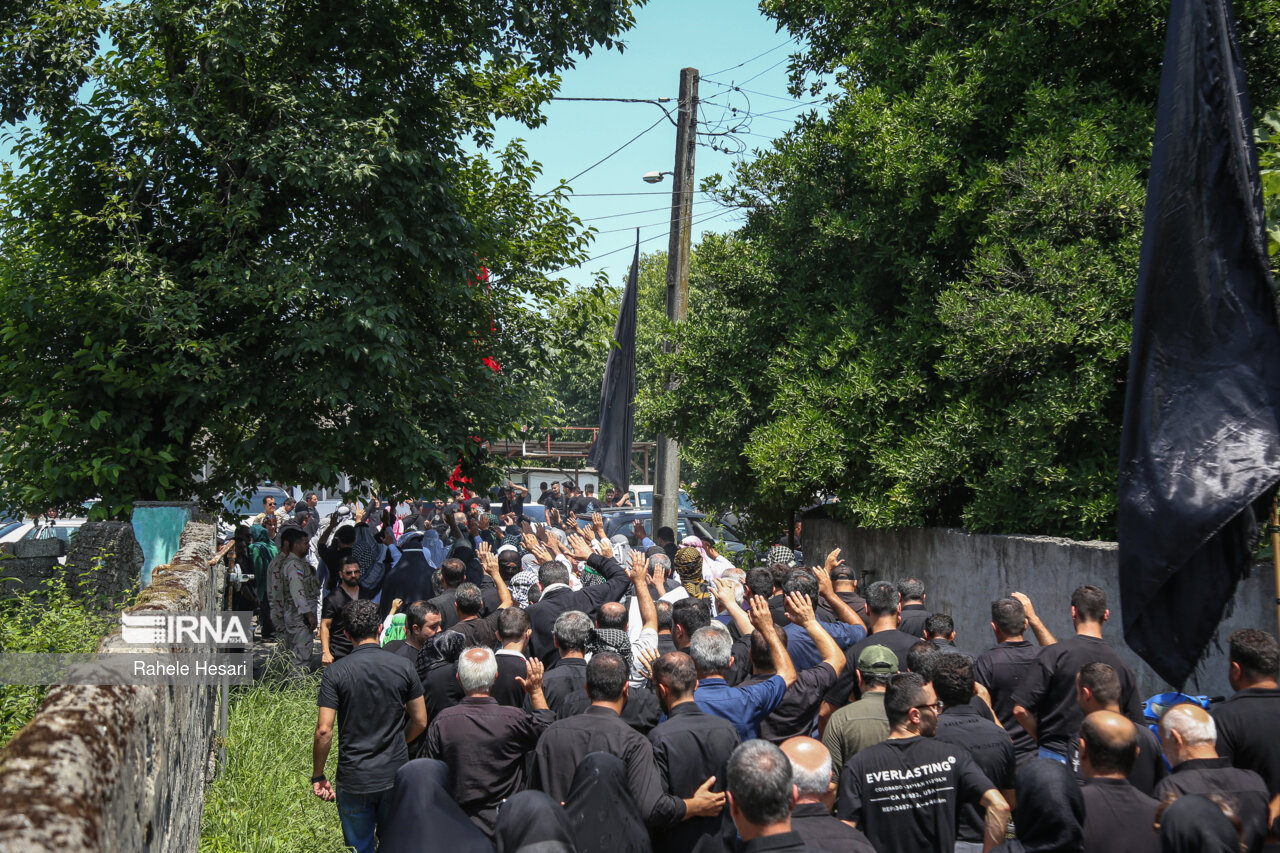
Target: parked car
x: 622, y: 520
x: 642, y: 498
x: 15, y: 531
x: 248, y: 506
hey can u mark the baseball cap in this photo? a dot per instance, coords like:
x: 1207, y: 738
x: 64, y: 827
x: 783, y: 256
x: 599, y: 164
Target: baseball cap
x: 878, y: 659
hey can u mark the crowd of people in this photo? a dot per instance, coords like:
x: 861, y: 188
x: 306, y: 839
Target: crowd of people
x: 499, y: 684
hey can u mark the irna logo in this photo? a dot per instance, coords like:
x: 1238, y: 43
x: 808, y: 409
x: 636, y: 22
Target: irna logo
x: 166, y: 629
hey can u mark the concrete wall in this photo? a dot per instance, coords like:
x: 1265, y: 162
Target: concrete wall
x: 118, y: 768
x: 963, y: 573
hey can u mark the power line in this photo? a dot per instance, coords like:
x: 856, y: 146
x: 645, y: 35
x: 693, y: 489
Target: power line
x: 607, y: 156
x: 754, y: 58
x: 707, y: 218
x: 634, y: 212
x: 764, y: 72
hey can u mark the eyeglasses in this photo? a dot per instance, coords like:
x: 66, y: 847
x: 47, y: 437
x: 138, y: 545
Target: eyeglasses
x: 936, y: 707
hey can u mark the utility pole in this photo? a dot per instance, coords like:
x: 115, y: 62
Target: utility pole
x: 666, y: 488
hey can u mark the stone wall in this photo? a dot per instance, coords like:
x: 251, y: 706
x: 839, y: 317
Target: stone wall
x: 964, y: 572
x: 118, y: 768
x: 105, y: 559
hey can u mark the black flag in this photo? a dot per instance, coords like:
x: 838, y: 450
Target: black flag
x: 1200, y: 450
x: 611, y: 453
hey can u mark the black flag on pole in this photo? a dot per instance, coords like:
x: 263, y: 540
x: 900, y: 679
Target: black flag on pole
x: 611, y: 453
x: 1200, y: 450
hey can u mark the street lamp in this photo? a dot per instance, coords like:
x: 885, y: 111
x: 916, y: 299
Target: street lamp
x: 655, y: 177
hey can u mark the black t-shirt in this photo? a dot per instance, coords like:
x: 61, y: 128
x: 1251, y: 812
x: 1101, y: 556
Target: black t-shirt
x: 369, y: 689
x: 912, y: 618
x: 893, y: 639
x: 992, y: 751
x: 1247, y: 724
x: 403, y: 649
x: 798, y: 710
x: 1148, y: 768
x: 339, y: 645
x: 904, y: 793
x: 513, y: 504
x: 1118, y: 818
x: 1001, y: 670
x: 583, y: 505
x: 1049, y: 690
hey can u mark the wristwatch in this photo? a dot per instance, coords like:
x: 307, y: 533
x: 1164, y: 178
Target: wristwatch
x: 320, y: 778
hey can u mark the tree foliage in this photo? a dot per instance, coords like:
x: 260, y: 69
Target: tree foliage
x: 248, y: 234
x: 928, y: 311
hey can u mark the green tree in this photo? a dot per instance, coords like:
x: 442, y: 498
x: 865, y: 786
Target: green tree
x: 928, y: 311
x: 249, y: 235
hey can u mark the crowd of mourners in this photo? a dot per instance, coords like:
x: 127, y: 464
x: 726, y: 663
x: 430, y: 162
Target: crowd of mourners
x: 499, y: 684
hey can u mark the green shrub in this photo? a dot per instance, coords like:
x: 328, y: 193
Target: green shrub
x: 261, y: 800
x: 50, y: 618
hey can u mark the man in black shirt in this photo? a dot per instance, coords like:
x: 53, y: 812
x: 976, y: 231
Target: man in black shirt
x: 810, y: 818
x: 845, y: 581
x: 761, y: 794
x: 914, y: 611
x: 557, y: 596
x: 690, y: 747
x: 453, y: 572
x: 883, y: 603
x: 1045, y: 703
x: 1003, y: 668
x: 797, y: 713
x: 1188, y: 735
x: 421, y: 623
x: 553, y: 498
x: 987, y: 743
x: 469, y: 603
x: 513, y: 498
x: 600, y: 729
x: 513, y: 633
x: 1248, y: 721
x: 334, y: 644
x: 905, y: 793
x: 1118, y: 817
x: 940, y: 630
x: 485, y: 744
x: 376, y: 699
x: 1098, y: 689
x: 571, y: 634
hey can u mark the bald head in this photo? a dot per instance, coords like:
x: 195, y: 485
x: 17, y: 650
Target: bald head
x: 1186, y: 732
x: 1109, y: 745
x: 810, y: 767
x: 612, y: 615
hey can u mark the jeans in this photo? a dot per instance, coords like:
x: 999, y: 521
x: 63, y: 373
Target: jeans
x: 1052, y: 755
x: 969, y: 847
x: 361, y: 815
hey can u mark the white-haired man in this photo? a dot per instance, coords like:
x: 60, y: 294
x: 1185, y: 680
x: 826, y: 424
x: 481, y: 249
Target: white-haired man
x: 485, y: 744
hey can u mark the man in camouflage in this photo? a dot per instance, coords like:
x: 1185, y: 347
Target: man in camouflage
x: 292, y: 588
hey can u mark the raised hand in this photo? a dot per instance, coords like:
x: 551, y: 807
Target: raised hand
x: 761, y: 618
x: 578, y: 548
x: 639, y: 569
x: 532, y: 682
x: 799, y: 608
x: 597, y: 521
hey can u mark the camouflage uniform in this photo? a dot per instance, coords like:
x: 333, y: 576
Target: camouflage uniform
x: 292, y: 588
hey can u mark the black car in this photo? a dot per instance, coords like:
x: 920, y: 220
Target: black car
x: 622, y: 520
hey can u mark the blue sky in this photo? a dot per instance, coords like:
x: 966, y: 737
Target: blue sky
x: 714, y: 36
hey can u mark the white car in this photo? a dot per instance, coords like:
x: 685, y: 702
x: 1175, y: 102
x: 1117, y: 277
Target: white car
x: 642, y: 498
x: 64, y: 529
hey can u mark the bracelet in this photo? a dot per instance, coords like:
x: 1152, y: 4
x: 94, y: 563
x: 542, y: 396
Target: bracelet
x: 320, y: 778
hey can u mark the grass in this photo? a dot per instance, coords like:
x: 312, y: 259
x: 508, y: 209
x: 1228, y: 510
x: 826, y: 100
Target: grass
x: 261, y: 801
